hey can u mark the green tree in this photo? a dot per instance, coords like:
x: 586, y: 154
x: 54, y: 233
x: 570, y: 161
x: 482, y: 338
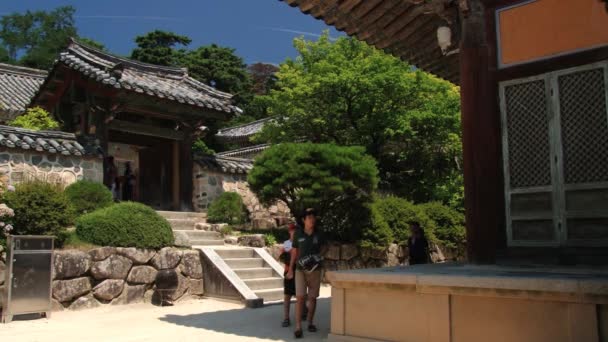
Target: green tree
x: 36, y: 119
x: 221, y: 68
x: 338, y: 181
x: 348, y: 93
x: 159, y: 47
x: 35, y: 38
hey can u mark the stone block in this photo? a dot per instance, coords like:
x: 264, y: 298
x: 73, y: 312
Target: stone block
x: 196, y: 287
x: 348, y: 251
x: 56, y: 305
x: 70, y: 264
x: 191, y: 264
x: 83, y: 303
x: 101, y: 253
x: 131, y: 294
x: 254, y: 240
x: 231, y: 240
x: 142, y: 275
x: 263, y: 223
x: 114, y: 267
x: 167, y: 257
x: 67, y: 290
x: 333, y: 252
x: 108, y: 289
x: 181, y: 239
x: 139, y: 256
x: 182, y: 286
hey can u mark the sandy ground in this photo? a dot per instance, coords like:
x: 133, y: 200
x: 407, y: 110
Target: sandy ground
x: 200, y: 320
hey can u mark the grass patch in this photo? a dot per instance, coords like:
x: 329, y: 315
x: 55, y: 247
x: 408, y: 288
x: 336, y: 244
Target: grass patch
x: 72, y: 241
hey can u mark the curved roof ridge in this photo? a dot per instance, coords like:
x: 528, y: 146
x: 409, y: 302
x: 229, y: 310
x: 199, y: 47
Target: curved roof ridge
x: 245, y: 124
x: 75, y: 45
x: 23, y: 71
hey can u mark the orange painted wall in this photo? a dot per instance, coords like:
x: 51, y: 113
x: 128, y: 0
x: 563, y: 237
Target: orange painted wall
x: 550, y: 27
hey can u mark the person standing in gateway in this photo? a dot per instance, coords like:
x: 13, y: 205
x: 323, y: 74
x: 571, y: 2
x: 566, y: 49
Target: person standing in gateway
x: 307, y: 248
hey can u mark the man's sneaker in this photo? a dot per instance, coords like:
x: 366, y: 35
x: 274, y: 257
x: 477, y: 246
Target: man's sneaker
x: 286, y: 323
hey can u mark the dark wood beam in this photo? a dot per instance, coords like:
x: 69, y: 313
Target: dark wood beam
x: 153, y: 131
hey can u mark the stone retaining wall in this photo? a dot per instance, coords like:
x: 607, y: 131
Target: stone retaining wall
x: 115, y: 276
x: 16, y: 167
x: 209, y: 185
x: 341, y: 256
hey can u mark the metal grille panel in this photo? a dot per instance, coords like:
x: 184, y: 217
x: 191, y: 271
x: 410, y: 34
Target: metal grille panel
x: 584, y: 123
x: 528, y: 134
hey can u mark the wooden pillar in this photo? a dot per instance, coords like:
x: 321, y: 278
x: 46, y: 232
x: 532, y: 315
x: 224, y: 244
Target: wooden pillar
x: 176, y: 176
x: 481, y: 138
x: 185, y: 172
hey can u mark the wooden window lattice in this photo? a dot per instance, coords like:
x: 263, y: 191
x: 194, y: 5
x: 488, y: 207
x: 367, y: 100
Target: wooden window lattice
x: 584, y: 125
x: 528, y: 137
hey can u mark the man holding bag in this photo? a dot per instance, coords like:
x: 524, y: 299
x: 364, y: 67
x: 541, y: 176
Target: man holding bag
x: 308, y: 246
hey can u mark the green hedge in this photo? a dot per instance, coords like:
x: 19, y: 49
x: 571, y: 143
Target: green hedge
x: 87, y: 196
x: 227, y: 208
x: 450, y: 225
x: 126, y: 224
x: 40, y: 209
x: 399, y: 213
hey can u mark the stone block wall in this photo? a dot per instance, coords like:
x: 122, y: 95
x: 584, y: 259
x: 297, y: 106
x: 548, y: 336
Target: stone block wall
x: 208, y: 185
x: 17, y: 166
x: 116, y: 276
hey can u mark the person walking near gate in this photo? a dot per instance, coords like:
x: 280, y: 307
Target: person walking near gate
x: 307, y: 248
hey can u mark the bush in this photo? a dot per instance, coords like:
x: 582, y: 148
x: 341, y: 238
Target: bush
x: 87, y: 196
x: 377, y: 234
x: 40, y: 209
x: 450, y: 229
x: 270, y: 239
x: 126, y: 224
x: 399, y: 213
x: 35, y: 119
x: 227, y: 208
x: 226, y: 230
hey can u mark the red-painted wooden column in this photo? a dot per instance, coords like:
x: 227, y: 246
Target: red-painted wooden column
x: 481, y: 138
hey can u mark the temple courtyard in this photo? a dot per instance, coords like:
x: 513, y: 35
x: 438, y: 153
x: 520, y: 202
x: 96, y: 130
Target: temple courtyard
x: 196, y: 320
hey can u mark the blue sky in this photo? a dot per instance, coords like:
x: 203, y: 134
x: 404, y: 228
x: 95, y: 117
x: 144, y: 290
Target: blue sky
x: 259, y: 30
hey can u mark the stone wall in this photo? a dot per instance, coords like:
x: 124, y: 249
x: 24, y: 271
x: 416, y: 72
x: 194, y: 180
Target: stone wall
x: 341, y: 256
x: 115, y: 276
x: 17, y: 166
x: 208, y: 185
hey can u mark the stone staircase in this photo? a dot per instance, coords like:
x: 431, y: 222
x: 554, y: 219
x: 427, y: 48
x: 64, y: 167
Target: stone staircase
x: 254, y: 271
x: 247, y: 274
x: 184, y: 226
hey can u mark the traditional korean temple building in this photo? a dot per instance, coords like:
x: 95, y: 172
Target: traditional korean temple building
x: 17, y: 87
x: 143, y: 116
x: 239, y: 138
x: 533, y: 76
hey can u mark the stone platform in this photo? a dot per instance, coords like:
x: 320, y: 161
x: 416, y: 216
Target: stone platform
x: 459, y: 302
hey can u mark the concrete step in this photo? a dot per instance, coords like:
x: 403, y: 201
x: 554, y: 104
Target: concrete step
x: 241, y: 263
x: 270, y: 295
x: 183, y: 215
x: 202, y: 235
x: 203, y: 243
x: 253, y: 273
x: 264, y: 283
x: 182, y: 224
x: 236, y: 253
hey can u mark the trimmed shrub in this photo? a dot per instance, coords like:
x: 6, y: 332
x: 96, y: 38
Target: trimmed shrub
x: 378, y: 234
x: 270, y: 240
x: 126, y: 224
x: 87, y: 196
x: 399, y: 213
x: 40, y: 209
x: 450, y: 229
x: 227, y: 208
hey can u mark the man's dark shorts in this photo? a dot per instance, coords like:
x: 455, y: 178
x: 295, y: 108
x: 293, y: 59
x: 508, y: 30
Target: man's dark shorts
x: 289, y: 285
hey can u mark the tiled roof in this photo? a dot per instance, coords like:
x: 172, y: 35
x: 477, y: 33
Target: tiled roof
x: 224, y: 164
x: 159, y: 81
x: 241, y: 132
x: 245, y: 153
x: 17, y: 87
x: 42, y: 141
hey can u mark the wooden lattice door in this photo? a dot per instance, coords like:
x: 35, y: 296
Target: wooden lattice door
x: 555, y: 154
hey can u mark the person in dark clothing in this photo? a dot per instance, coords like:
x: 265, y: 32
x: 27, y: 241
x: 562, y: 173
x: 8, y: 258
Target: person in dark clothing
x: 127, y: 191
x: 418, y: 245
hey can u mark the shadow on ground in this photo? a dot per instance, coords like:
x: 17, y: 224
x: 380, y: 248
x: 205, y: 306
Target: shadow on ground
x: 262, y: 323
